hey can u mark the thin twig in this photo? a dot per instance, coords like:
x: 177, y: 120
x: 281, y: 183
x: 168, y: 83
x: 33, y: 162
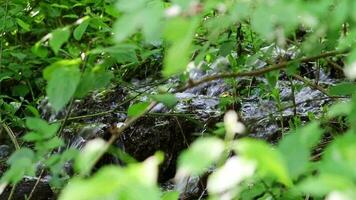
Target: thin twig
x: 35, y: 186
x: 11, y: 135
x: 116, y: 133
x: 259, y: 72
x: 311, y: 84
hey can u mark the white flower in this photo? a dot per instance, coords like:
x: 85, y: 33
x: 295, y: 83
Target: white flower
x: 233, y: 172
x: 173, y: 11
x: 232, y: 125
x: 350, y: 71
x: 336, y: 195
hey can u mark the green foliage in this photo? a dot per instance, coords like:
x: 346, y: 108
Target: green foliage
x: 64, y: 50
x: 202, y: 154
x: 167, y: 99
x: 137, y: 109
x: 136, y: 181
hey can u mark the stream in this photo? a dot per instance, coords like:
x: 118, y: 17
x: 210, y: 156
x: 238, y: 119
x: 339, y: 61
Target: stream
x: 172, y: 130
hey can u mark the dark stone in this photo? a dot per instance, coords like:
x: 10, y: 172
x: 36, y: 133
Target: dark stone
x: 23, y: 189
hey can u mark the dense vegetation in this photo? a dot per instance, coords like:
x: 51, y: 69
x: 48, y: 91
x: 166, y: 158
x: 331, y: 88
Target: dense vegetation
x: 62, y: 51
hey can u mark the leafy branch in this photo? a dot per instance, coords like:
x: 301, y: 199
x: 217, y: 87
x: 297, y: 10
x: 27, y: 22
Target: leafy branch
x: 262, y: 71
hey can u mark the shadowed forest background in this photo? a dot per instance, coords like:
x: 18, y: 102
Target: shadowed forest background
x: 177, y: 99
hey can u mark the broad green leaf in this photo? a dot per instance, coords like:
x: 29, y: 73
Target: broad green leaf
x: 295, y: 154
x: 39, y: 50
x: 310, y: 134
x: 324, y: 184
x: 22, y: 163
x: 123, y: 53
x: 167, y: 99
x: 269, y: 161
x: 137, y: 109
x: 20, y: 90
x: 49, y: 71
x: 345, y: 88
x: 180, y: 33
x: 89, y: 156
x: 42, y: 130
x: 170, y: 195
x: 41, y: 126
x: 341, y: 108
x: 126, y: 25
x: 296, y: 148
x: 200, y: 155
x: 49, y: 145
x: 135, y: 181
x: 93, y: 79
x: 81, y: 28
x: 339, y: 157
x: 23, y: 24
x: 58, y: 37
x: 61, y: 86
x: 147, y: 18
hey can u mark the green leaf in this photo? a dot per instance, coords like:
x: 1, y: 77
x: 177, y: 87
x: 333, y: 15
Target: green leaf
x: 49, y: 71
x: 89, y: 155
x: 341, y: 108
x: 345, y: 88
x: 39, y: 50
x: 42, y: 128
x: 95, y: 78
x: 180, y: 33
x: 339, y: 157
x: 49, y: 145
x: 324, y: 184
x: 269, y: 161
x: 62, y: 84
x: 137, y: 109
x: 135, y: 181
x: 296, y: 148
x: 200, y: 155
x: 147, y: 18
x: 80, y: 30
x: 170, y: 195
x: 22, y: 163
x: 123, y: 53
x: 167, y: 99
x: 295, y: 154
x: 23, y: 24
x: 58, y: 38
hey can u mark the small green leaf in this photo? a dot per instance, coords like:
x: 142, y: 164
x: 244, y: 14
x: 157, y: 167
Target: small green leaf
x: 89, y: 155
x: 269, y: 161
x: 346, y: 88
x: 23, y: 24
x: 123, y: 53
x: 135, y: 181
x: 180, y: 33
x: 42, y: 127
x: 167, y: 99
x: 201, y: 155
x: 324, y: 184
x: 137, y: 109
x: 22, y: 163
x: 80, y: 30
x: 39, y: 50
x: 341, y: 108
x: 61, y: 86
x: 170, y: 195
x: 93, y: 79
x: 58, y: 38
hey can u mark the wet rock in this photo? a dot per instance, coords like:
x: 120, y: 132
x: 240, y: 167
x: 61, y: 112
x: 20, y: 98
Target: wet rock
x: 4, y: 151
x: 159, y: 133
x: 23, y: 189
